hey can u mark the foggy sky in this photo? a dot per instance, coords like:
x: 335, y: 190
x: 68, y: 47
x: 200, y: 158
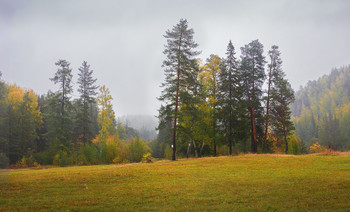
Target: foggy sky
x: 123, y: 40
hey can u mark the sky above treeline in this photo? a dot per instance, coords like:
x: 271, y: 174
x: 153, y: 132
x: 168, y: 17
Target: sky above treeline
x: 123, y: 40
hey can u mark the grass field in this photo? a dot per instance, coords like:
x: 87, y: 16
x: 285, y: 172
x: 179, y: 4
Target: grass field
x: 245, y: 182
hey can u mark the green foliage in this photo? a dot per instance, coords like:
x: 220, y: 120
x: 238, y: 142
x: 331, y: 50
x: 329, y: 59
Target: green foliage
x: 181, y: 82
x: 88, y: 155
x: 321, y: 110
x: 294, y: 143
x: 147, y: 158
x: 231, y: 105
x: 121, y: 133
x: 60, y: 105
x: 87, y: 91
x: 168, y: 152
x: 253, y: 76
x: 137, y: 148
x: 62, y: 159
x: 44, y: 157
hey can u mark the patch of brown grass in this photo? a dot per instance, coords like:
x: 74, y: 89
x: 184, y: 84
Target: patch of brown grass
x: 333, y: 152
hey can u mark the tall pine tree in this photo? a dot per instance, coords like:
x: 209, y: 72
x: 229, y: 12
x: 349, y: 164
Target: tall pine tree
x: 253, y: 73
x: 60, y: 103
x: 275, y: 65
x: 87, y: 90
x: 179, y: 65
x: 282, y: 96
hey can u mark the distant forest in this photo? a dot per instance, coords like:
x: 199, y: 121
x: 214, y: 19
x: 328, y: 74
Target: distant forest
x: 214, y: 107
x: 321, y: 111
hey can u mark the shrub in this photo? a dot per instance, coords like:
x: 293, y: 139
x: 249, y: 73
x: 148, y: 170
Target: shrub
x: 294, y: 144
x: 61, y: 159
x: 44, y: 157
x: 316, y: 148
x: 147, y: 158
x: 168, y: 152
x: 137, y: 148
x: 37, y: 165
x: 88, y: 155
x: 111, y: 146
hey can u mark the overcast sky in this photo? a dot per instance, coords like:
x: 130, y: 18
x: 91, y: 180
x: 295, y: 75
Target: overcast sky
x: 123, y: 40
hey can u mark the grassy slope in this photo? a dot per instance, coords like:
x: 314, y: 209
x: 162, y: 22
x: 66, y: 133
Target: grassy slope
x: 247, y: 182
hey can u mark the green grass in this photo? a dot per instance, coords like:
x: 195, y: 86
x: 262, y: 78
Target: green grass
x: 243, y: 183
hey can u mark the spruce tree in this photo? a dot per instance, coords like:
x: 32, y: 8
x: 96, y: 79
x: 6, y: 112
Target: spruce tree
x: 275, y: 65
x: 179, y: 65
x: 60, y: 103
x: 253, y: 73
x: 230, y: 105
x: 87, y: 90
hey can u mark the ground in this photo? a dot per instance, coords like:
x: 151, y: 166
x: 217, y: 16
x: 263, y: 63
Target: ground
x: 239, y: 183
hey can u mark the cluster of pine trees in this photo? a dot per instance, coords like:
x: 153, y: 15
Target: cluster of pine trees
x: 220, y: 106
x: 54, y: 129
x: 221, y: 103
x: 321, y: 111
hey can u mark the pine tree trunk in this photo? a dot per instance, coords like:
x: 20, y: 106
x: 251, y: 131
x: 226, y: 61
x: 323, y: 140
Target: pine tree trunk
x: 177, y: 99
x: 267, y: 110
x: 62, y: 104
x: 230, y: 133
x: 284, y: 125
x: 214, y: 115
x: 254, y: 144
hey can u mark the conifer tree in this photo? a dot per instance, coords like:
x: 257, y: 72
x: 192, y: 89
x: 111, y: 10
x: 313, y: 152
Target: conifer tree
x: 275, y: 65
x: 253, y: 73
x: 87, y: 90
x: 179, y: 65
x: 231, y: 109
x: 282, y: 96
x: 60, y: 103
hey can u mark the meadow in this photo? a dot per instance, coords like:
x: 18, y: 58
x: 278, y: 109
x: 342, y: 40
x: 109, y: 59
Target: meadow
x: 238, y: 183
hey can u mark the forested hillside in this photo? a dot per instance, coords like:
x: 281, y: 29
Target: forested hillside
x: 321, y: 111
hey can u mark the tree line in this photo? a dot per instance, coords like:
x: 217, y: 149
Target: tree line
x: 321, y: 111
x: 56, y: 129
x: 215, y: 107
x: 221, y: 102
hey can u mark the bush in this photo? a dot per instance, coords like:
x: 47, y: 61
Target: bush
x: 25, y: 162
x: 88, y: 155
x: 294, y: 144
x: 168, y: 152
x: 316, y: 148
x: 111, y: 149
x: 137, y: 148
x: 61, y: 159
x: 147, y: 158
x: 44, y: 157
